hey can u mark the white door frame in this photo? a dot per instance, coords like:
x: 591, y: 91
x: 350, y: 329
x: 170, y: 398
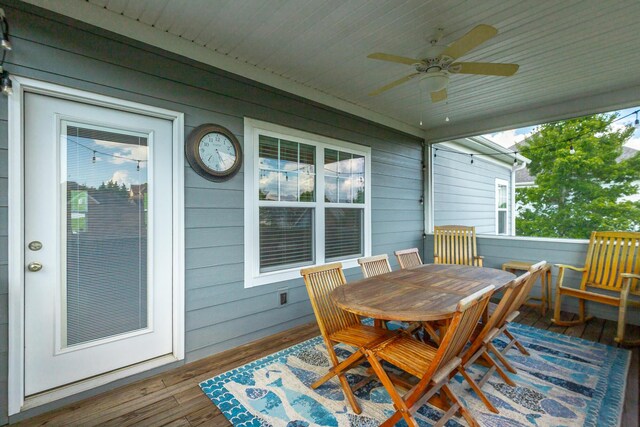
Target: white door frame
x: 17, y: 400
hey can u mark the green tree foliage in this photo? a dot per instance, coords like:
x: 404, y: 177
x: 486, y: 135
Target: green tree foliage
x: 575, y: 194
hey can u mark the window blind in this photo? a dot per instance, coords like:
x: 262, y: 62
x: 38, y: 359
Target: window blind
x: 343, y: 232
x: 286, y: 237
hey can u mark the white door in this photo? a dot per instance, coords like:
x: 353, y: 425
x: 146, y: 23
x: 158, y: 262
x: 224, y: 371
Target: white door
x: 98, y: 237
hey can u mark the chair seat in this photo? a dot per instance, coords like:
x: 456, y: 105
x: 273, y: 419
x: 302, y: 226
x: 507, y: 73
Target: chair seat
x: 362, y: 335
x: 413, y: 356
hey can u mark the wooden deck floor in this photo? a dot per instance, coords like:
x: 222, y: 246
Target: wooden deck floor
x: 174, y: 398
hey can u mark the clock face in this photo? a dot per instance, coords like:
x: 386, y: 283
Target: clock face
x: 217, y: 152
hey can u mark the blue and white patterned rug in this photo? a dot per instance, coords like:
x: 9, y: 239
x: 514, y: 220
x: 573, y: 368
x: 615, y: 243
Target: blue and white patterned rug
x: 566, y: 381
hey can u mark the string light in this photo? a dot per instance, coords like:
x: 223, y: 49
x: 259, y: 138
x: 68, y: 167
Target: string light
x: 4, y: 37
x: 514, y: 152
x: 93, y: 160
x: 435, y: 153
x: 572, y: 150
x: 471, y: 158
x: 138, y: 166
x: 5, y: 45
x: 5, y: 82
x: 446, y: 119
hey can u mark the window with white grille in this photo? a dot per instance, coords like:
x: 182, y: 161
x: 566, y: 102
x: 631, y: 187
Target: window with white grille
x: 307, y: 202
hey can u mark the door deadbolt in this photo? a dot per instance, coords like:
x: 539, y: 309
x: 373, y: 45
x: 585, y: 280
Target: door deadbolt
x: 34, y: 266
x: 35, y: 245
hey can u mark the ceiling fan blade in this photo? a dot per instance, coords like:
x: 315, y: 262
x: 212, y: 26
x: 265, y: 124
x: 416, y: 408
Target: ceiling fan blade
x: 393, y: 84
x: 393, y: 58
x: 485, y: 68
x: 438, y: 96
x: 469, y: 41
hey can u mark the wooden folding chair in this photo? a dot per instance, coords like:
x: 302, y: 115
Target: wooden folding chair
x: 408, y: 258
x: 483, y: 336
x: 431, y: 365
x: 339, y: 326
x: 374, y: 265
x: 512, y: 313
x: 455, y: 244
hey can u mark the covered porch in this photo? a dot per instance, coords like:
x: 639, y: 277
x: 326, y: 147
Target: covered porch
x: 323, y: 172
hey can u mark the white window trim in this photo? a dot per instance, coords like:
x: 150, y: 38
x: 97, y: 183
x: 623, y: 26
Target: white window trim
x: 499, y: 183
x: 16, y: 398
x: 252, y: 129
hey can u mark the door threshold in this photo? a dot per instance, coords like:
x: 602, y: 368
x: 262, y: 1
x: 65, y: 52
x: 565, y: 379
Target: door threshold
x: 93, y: 382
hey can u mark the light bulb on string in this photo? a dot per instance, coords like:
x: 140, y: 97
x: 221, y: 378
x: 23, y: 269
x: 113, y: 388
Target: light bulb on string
x: 138, y: 165
x: 93, y: 160
x: 446, y: 119
x: 636, y: 123
x: 435, y: 153
x: 572, y: 150
x: 471, y: 158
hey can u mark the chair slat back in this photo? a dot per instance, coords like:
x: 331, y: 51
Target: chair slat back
x: 609, y: 254
x: 455, y: 244
x: 320, y: 281
x: 534, y: 273
x: 374, y: 265
x: 500, y: 313
x: 462, y: 325
x: 408, y: 258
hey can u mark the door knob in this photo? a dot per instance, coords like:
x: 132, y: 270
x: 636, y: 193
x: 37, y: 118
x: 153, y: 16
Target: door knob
x: 34, y: 266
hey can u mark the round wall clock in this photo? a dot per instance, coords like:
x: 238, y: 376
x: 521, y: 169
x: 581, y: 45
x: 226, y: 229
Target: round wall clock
x: 213, y: 152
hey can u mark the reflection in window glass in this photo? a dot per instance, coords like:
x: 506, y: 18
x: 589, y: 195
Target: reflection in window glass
x: 344, y: 177
x: 287, y: 170
x: 105, y: 173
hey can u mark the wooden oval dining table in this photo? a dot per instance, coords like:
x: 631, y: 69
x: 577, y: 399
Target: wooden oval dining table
x: 425, y: 293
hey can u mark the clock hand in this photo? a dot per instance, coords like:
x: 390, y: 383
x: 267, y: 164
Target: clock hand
x: 221, y: 159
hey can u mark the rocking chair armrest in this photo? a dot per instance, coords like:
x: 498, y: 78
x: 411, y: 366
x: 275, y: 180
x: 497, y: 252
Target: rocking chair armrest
x: 571, y: 267
x: 561, y: 268
x: 626, y: 286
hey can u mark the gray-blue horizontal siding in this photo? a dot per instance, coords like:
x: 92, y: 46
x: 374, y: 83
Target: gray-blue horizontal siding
x: 465, y: 193
x: 497, y: 251
x: 220, y: 313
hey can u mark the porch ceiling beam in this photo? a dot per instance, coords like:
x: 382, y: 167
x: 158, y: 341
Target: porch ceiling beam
x: 119, y: 24
x: 603, y: 102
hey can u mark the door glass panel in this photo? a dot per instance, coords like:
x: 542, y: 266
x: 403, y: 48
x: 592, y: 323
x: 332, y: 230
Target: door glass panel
x: 105, y: 203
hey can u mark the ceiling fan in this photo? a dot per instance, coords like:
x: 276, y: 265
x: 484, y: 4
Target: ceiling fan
x: 439, y: 63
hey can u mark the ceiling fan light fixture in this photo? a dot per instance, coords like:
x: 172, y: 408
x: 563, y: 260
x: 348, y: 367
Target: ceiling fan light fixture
x: 434, y: 81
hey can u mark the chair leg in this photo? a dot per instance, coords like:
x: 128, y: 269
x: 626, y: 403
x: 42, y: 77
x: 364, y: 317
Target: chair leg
x: 343, y: 380
x: 476, y: 388
x: 461, y: 408
x: 340, y: 367
x: 502, y: 359
x: 498, y: 369
x: 516, y: 342
x: 402, y: 411
x: 622, y: 320
x: 581, y: 313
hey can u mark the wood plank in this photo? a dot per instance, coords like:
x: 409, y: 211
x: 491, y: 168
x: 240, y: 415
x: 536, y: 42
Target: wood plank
x: 593, y: 330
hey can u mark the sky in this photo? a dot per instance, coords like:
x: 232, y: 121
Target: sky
x: 509, y: 137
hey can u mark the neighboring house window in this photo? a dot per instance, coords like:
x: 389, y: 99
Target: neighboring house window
x: 502, y: 206
x: 307, y: 202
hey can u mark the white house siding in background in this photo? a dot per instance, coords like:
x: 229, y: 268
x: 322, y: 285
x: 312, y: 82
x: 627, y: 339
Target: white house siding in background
x: 465, y: 193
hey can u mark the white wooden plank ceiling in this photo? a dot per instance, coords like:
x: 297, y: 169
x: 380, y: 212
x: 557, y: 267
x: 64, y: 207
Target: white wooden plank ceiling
x: 566, y: 50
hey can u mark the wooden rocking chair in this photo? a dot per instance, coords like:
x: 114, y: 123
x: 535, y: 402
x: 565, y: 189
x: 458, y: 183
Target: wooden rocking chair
x: 408, y: 258
x: 455, y: 244
x: 339, y: 326
x: 613, y: 266
x: 433, y: 366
